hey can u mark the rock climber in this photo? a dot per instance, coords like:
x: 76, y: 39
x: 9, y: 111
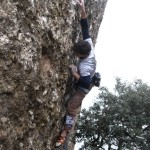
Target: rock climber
x: 83, y: 73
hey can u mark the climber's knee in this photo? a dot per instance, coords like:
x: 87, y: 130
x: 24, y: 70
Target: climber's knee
x: 69, y: 121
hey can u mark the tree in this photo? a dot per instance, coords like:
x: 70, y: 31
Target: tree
x: 119, y: 120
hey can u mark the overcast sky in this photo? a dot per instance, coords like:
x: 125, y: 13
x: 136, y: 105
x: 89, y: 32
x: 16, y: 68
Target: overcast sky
x: 123, y: 44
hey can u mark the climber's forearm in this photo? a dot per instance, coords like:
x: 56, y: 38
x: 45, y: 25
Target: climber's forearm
x: 83, y: 13
x: 76, y: 75
x: 74, y: 71
x: 84, y: 28
x: 83, y: 22
x: 82, y: 8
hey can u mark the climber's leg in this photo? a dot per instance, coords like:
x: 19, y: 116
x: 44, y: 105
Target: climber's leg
x: 72, y: 110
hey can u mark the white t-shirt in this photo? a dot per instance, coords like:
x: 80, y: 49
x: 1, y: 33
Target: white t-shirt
x: 87, y: 66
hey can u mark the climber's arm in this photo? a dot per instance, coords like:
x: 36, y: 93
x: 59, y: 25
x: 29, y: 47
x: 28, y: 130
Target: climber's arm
x: 83, y: 81
x: 84, y: 27
x: 82, y: 7
x: 74, y: 71
x: 83, y: 21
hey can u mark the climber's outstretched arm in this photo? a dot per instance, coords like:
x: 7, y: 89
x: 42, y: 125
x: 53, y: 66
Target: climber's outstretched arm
x: 84, y: 23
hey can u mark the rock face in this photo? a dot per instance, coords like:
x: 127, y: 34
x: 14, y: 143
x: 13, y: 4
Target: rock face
x: 35, y: 50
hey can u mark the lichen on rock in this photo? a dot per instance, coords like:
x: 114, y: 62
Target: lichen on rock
x: 36, y: 37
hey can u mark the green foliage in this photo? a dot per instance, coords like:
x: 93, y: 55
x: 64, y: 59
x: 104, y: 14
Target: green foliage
x: 120, y: 119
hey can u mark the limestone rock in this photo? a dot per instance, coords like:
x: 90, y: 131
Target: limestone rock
x: 35, y: 50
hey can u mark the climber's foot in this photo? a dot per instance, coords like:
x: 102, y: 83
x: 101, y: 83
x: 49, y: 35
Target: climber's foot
x: 61, y: 139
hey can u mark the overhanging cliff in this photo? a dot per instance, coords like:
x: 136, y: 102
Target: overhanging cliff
x: 35, y: 51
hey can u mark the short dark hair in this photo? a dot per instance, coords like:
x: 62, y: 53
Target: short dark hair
x: 82, y: 47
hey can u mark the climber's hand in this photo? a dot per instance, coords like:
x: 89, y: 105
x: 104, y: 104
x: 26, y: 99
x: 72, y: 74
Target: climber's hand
x: 82, y: 7
x: 74, y: 71
x: 73, y: 68
x: 81, y: 4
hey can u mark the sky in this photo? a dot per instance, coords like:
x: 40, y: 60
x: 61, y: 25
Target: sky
x: 123, y: 45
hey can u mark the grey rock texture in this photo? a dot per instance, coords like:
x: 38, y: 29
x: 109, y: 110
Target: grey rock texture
x: 35, y: 50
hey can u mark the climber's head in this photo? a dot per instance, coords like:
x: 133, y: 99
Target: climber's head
x: 82, y: 49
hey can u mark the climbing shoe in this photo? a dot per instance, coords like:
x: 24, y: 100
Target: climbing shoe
x: 60, y: 141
